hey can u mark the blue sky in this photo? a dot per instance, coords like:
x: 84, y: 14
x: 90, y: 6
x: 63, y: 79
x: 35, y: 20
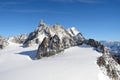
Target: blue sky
x: 98, y: 19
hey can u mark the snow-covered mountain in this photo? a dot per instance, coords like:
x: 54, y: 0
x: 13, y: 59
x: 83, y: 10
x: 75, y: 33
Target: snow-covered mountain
x: 43, y: 30
x: 54, y: 53
x: 114, y: 46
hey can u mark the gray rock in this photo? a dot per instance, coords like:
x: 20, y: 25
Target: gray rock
x: 49, y: 46
x: 43, y: 30
x: 109, y: 66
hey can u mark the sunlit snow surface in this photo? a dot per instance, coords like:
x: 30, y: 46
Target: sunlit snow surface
x: 75, y: 63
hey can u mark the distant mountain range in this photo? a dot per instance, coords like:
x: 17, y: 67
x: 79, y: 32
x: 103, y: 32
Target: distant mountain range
x: 114, y: 46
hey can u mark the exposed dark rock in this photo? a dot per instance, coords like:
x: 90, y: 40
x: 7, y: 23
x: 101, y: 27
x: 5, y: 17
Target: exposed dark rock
x: 97, y: 45
x: 116, y: 58
x: 30, y: 37
x: 3, y: 44
x: 108, y: 64
x: 49, y: 46
x: 79, y: 39
x: 92, y: 43
x: 101, y: 61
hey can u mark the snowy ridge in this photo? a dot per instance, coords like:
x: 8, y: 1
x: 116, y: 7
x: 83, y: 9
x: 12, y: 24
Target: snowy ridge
x: 72, y: 64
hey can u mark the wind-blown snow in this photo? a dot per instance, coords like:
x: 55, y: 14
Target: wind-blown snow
x: 76, y: 63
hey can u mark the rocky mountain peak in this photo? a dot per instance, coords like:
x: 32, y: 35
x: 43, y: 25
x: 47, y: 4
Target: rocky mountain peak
x: 44, y: 30
x: 41, y: 22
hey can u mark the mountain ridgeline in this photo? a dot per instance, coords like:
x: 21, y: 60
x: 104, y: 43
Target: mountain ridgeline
x: 45, y: 31
x: 52, y: 40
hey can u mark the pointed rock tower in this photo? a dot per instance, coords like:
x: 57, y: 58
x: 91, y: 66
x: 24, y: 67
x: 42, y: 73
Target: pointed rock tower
x: 43, y: 30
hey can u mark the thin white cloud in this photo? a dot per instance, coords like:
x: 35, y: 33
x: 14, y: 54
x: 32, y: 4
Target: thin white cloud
x: 81, y: 1
x: 36, y: 11
x: 11, y: 3
x: 88, y: 1
x: 7, y: 4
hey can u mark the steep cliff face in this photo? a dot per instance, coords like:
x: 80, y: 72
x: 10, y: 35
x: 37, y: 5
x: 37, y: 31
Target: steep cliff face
x: 49, y: 46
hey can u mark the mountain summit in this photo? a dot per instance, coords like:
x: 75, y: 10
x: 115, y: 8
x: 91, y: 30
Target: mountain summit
x: 43, y: 30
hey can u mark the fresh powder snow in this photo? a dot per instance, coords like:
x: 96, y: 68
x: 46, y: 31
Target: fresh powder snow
x: 75, y: 63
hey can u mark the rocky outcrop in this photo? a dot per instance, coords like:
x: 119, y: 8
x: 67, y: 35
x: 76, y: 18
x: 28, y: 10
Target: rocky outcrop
x: 114, y: 48
x: 97, y: 45
x: 49, y: 46
x: 56, y: 39
x: 77, y: 36
x: 106, y: 62
x: 109, y: 66
x: 43, y: 30
x: 52, y: 45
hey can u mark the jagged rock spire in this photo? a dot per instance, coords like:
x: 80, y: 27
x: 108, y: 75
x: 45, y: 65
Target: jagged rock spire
x: 41, y: 22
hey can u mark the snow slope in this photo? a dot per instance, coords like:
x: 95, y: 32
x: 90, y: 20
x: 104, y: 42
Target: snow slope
x: 75, y: 63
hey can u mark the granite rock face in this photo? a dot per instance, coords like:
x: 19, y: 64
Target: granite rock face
x: 43, y: 30
x: 49, y: 46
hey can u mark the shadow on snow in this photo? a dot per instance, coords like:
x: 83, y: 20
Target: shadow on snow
x: 31, y: 54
